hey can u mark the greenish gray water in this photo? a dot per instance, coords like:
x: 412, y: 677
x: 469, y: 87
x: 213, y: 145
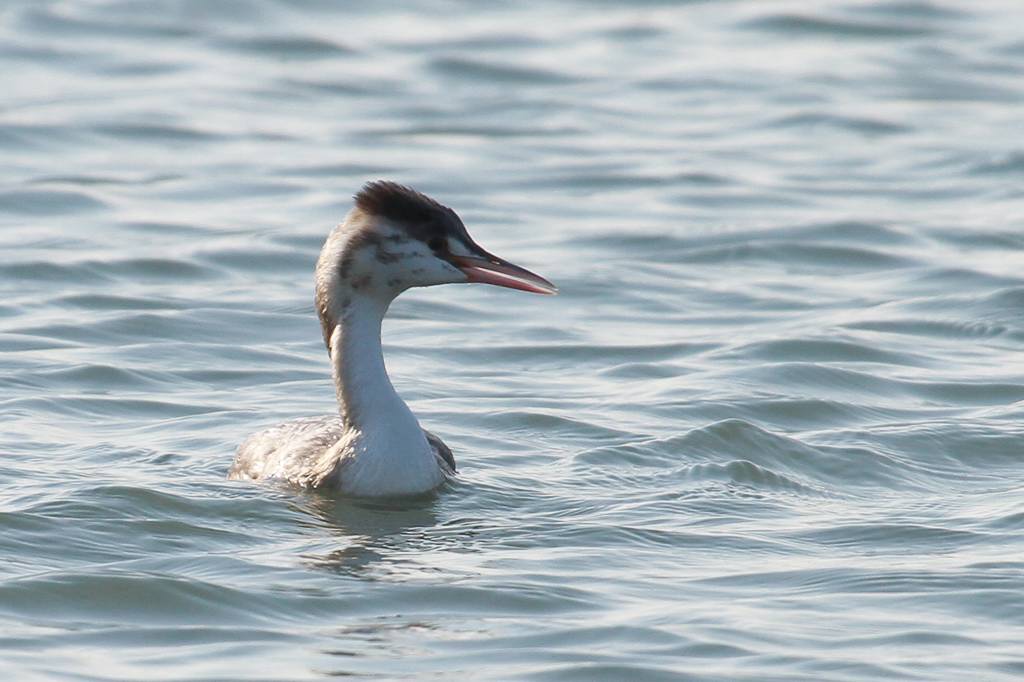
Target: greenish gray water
x: 772, y: 429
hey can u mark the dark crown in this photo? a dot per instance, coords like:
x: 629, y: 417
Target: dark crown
x: 399, y: 203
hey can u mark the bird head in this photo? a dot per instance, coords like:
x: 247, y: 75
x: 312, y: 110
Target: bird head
x: 396, y: 238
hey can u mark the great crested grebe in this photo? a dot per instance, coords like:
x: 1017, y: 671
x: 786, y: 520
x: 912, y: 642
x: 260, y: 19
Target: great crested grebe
x: 393, y: 239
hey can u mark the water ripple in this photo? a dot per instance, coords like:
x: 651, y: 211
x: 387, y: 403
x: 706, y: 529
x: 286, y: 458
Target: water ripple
x: 769, y: 429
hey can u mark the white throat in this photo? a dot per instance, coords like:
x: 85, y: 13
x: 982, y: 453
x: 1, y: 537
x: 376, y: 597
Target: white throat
x: 365, y: 393
x: 389, y: 453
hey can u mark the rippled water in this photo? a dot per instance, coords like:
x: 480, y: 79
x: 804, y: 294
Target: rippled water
x: 772, y: 429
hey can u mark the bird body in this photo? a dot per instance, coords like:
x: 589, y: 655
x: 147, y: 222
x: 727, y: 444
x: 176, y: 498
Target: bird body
x: 394, y: 239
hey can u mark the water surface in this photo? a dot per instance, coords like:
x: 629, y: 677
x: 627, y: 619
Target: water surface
x: 771, y: 430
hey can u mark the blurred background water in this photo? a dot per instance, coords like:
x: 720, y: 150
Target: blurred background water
x: 771, y: 430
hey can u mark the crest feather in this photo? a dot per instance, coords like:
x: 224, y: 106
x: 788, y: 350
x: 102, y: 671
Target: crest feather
x: 397, y: 203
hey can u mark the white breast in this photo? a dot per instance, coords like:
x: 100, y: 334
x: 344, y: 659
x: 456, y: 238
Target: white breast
x: 397, y: 462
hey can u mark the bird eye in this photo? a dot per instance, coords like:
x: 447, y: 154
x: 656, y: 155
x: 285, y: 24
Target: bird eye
x: 436, y: 244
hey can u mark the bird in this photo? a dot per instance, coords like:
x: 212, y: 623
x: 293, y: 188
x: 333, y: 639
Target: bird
x: 394, y: 238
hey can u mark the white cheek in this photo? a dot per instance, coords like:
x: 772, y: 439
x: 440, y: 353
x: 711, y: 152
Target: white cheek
x: 418, y: 267
x: 457, y: 248
x: 437, y: 271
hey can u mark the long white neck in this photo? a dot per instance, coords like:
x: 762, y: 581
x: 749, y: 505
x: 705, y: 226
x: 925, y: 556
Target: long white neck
x: 365, y: 394
x: 363, y: 266
x: 390, y: 453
